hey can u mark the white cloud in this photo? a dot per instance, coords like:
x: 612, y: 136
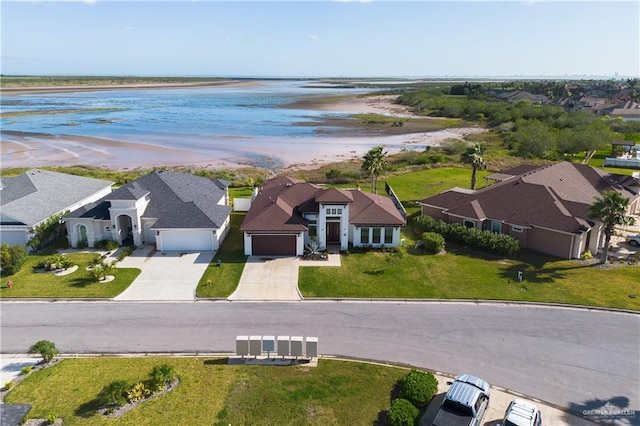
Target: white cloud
x: 312, y: 37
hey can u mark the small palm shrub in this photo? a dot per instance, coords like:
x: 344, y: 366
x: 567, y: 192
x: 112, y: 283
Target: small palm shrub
x: 161, y: 376
x: 402, y: 413
x: 26, y: 370
x: 46, y: 349
x: 8, y: 385
x: 108, y: 245
x: 51, y: 419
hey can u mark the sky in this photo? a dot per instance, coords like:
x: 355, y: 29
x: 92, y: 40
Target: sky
x: 426, y: 38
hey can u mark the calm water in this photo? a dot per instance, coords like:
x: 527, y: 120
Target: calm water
x: 136, y: 114
x: 213, y: 126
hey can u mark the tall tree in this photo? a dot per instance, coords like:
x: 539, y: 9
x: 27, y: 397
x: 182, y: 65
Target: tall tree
x: 375, y: 162
x: 611, y: 210
x: 474, y: 156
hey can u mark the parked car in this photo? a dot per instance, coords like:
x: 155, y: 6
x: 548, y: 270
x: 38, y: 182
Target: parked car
x: 522, y: 413
x: 634, y: 240
x: 465, y: 403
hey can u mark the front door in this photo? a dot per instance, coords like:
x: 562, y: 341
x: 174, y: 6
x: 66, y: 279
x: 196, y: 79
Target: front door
x: 333, y: 232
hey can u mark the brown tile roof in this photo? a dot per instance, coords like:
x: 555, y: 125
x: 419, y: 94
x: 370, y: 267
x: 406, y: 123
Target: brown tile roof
x: 281, y: 201
x: 555, y: 197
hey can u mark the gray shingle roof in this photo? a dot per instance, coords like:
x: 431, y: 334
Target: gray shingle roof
x: 176, y: 200
x: 37, y: 194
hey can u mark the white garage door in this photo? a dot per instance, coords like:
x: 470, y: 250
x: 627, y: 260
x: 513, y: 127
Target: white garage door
x: 13, y: 238
x: 187, y: 240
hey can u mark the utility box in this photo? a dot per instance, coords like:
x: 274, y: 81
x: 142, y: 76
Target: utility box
x: 255, y: 345
x: 312, y: 347
x: 296, y: 346
x: 242, y: 345
x: 268, y: 344
x: 283, y: 346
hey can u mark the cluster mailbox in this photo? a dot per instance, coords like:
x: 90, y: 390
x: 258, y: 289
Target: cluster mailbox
x: 284, y: 346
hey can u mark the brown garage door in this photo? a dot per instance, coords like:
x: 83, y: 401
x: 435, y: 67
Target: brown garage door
x: 273, y: 245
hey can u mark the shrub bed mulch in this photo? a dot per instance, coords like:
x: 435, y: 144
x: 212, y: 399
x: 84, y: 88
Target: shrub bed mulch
x: 112, y: 412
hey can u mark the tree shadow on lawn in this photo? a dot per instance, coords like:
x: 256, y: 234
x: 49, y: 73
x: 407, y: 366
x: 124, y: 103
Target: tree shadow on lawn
x: 88, y: 409
x: 537, y: 271
x: 82, y: 282
x: 217, y: 361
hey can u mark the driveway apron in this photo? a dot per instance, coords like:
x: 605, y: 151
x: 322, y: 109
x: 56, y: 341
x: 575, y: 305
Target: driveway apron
x: 268, y: 279
x: 165, y: 276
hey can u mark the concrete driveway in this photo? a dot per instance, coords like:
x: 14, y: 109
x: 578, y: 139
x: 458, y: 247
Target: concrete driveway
x: 268, y: 279
x: 164, y: 276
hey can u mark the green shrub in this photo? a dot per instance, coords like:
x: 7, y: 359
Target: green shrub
x: 26, y: 370
x: 586, y: 255
x: 433, y: 242
x: 138, y: 392
x: 115, y: 393
x: 52, y: 419
x: 82, y: 245
x: 502, y: 244
x: 161, y: 376
x: 402, y: 413
x: 8, y: 385
x: 418, y: 387
x: 46, y: 349
x: 126, y: 251
x: 107, y: 245
x: 55, y: 261
x: 12, y: 258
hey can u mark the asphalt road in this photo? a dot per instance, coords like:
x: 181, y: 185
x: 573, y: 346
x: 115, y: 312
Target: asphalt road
x: 577, y: 359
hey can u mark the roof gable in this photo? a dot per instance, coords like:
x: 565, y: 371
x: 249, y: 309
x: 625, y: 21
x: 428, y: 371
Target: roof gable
x: 555, y: 197
x: 38, y: 194
x: 333, y: 196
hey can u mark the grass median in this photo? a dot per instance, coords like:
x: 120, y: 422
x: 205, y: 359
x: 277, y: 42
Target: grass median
x: 211, y: 392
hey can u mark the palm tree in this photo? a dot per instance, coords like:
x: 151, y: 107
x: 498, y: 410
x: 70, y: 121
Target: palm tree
x: 375, y: 162
x: 610, y: 209
x: 46, y: 349
x: 473, y: 155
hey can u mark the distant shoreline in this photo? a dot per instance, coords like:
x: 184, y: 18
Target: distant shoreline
x: 16, y: 91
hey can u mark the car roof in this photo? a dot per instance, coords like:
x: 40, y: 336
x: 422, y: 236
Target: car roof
x: 520, y: 413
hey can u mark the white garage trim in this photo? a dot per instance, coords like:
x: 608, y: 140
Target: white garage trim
x: 186, y: 240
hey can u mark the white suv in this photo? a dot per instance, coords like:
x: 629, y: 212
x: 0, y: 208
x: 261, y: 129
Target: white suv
x: 522, y: 413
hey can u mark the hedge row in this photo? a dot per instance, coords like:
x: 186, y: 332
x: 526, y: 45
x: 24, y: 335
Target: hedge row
x: 457, y: 233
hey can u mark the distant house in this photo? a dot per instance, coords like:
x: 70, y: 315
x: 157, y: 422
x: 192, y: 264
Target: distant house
x: 521, y: 95
x: 173, y: 211
x: 34, y: 196
x: 288, y: 213
x: 545, y: 208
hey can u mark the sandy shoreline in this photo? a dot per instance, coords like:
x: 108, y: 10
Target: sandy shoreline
x: 24, y: 149
x: 15, y: 91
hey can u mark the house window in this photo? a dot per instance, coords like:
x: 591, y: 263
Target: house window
x: 364, y: 235
x: 469, y: 223
x: 388, y: 235
x: 107, y: 228
x: 517, y: 229
x: 375, y: 239
x: 313, y: 228
x: 496, y: 227
x: 339, y: 211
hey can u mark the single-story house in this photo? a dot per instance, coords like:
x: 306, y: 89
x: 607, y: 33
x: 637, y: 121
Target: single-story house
x: 287, y: 214
x: 29, y: 199
x: 545, y: 208
x: 173, y: 211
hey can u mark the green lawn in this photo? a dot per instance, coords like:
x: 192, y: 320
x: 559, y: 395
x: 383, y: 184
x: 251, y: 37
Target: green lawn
x: 30, y: 284
x: 461, y: 274
x: 213, y: 393
x: 223, y: 280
